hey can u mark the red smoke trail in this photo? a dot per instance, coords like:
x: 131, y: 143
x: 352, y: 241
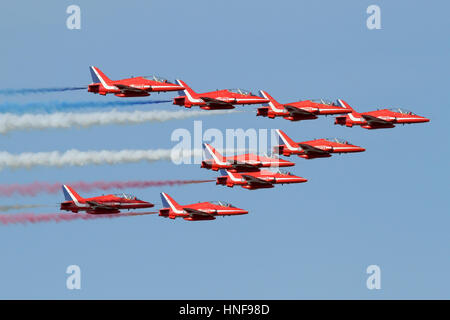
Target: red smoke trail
x: 25, y: 218
x: 35, y: 188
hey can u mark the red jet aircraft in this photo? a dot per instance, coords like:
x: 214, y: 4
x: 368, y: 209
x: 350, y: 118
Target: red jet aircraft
x: 243, y: 162
x: 197, y: 211
x: 101, y: 205
x: 319, y: 148
x: 301, y: 110
x: 131, y: 87
x: 379, y: 119
x: 214, y: 100
x: 256, y: 180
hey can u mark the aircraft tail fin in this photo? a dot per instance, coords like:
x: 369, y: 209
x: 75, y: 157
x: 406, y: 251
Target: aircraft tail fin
x: 168, y: 202
x: 99, y: 77
x: 284, y: 139
x: 349, y: 118
x: 215, y: 155
x: 188, y: 92
x: 70, y: 194
x: 273, y: 104
x: 345, y: 105
x: 180, y: 92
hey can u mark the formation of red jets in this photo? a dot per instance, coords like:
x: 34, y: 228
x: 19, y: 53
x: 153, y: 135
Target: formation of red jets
x: 249, y: 171
x: 229, y: 98
x: 113, y: 203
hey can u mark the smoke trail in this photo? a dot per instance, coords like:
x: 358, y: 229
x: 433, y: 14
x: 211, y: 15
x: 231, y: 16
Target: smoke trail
x: 38, y: 90
x: 10, y: 122
x: 81, y: 158
x: 73, y: 157
x: 35, y: 188
x: 54, y: 106
x: 20, y: 206
x: 25, y: 218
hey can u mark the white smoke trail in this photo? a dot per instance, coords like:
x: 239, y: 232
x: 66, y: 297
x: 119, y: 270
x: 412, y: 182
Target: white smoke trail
x: 19, y: 206
x: 10, y: 122
x: 80, y: 158
x: 75, y: 157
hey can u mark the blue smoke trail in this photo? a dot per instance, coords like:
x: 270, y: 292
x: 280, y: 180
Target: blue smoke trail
x: 38, y: 90
x: 54, y: 106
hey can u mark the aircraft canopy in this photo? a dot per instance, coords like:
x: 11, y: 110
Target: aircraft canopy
x: 156, y: 78
x: 338, y: 140
x: 241, y: 91
x: 126, y: 196
x: 401, y: 110
x: 223, y: 203
x: 325, y: 101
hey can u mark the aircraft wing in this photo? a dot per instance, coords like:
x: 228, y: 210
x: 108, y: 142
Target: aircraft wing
x: 215, y: 102
x: 140, y: 213
x: 127, y: 89
x: 95, y: 205
x: 371, y: 120
x: 242, y: 165
x: 311, y: 150
x: 293, y: 111
x: 194, y: 212
x: 251, y: 180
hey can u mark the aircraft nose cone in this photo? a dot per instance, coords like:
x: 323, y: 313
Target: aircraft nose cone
x: 287, y: 163
x: 300, y: 179
x: 148, y: 204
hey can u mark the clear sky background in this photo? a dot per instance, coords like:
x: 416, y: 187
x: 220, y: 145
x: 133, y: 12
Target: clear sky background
x: 387, y: 206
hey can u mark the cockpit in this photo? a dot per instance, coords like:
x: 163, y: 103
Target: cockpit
x: 126, y: 196
x: 223, y: 204
x: 403, y: 111
x: 156, y: 78
x: 284, y: 172
x: 325, y: 101
x: 241, y: 91
x: 338, y: 140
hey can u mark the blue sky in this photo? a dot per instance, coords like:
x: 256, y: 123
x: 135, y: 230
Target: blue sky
x: 387, y: 206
